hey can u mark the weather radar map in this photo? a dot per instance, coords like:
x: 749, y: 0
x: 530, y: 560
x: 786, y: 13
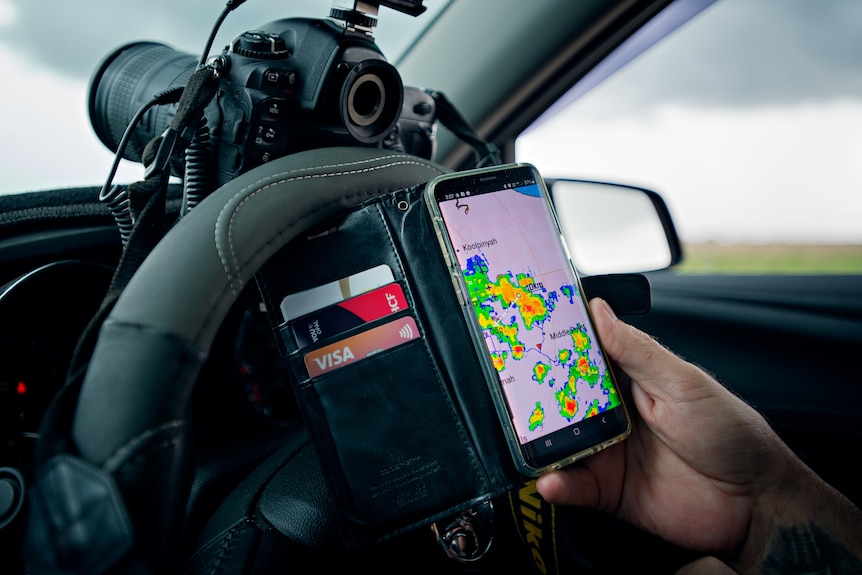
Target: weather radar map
x: 529, y: 310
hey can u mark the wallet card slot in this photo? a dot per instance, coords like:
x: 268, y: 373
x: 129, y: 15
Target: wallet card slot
x: 387, y: 425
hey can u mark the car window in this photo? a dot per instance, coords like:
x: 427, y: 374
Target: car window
x: 748, y: 121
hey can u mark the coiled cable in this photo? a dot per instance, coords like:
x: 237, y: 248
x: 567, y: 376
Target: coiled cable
x: 117, y: 201
x: 196, y: 180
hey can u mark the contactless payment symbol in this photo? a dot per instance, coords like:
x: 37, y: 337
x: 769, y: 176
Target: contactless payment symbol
x: 406, y: 332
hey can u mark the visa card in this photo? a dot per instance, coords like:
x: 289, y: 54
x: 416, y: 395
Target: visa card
x: 356, y: 347
x: 354, y: 312
x: 298, y: 304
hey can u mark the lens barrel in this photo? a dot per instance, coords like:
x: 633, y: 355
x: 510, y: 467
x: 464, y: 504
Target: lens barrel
x: 126, y: 80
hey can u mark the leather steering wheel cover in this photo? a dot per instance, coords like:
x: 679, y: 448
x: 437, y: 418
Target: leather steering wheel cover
x: 217, y: 247
x: 186, y: 286
x: 153, y: 343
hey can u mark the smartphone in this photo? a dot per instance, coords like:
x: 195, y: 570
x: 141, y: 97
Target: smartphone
x: 552, y: 384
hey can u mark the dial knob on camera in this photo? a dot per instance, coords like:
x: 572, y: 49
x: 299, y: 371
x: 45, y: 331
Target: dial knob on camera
x: 354, y: 18
x: 260, y: 45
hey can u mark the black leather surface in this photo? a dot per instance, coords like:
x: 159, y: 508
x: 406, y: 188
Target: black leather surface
x: 408, y: 435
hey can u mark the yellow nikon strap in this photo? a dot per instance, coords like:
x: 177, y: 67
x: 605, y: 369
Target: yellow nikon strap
x: 535, y: 523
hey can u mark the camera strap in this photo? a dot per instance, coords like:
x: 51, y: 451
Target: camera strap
x: 147, y: 197
x: 486, y: 152
x: 199, y: 90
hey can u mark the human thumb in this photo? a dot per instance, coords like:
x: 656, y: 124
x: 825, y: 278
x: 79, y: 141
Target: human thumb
x: 648, y: 364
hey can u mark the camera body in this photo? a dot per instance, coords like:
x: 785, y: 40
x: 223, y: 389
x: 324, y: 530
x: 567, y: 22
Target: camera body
x: 292, y: 85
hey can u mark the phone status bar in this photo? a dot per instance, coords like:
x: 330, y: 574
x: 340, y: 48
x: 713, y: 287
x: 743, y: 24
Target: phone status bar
x: 490, y: 188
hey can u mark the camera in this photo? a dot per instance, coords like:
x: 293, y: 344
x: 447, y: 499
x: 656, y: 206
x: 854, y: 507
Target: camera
x: 293, y: 84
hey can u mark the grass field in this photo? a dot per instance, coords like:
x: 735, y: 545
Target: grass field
x: 771, y: 258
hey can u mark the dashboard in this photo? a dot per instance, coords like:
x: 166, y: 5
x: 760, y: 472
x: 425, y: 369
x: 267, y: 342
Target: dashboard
x: 244, y: 388
x: 43, y: 312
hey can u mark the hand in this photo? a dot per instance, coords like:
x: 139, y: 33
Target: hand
x: 701, y: 469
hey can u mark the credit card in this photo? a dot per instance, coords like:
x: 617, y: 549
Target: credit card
x: 351, y: 313
x: 298, y: 304
x: 356, y: 347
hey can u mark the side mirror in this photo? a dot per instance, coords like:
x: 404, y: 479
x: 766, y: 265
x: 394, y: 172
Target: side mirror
x: 612, y: 228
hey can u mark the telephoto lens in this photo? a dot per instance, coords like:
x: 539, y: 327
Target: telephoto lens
x: 125, y: 81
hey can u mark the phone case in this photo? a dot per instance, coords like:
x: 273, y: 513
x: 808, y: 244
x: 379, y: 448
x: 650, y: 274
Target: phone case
x: 410, y: 434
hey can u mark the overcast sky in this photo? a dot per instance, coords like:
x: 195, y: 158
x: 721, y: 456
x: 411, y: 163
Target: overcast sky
x: 810, y: 57
x: 759, y: 53
x: 751, y: 102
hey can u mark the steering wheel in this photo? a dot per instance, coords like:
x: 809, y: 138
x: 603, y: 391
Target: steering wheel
x: 119, y: 501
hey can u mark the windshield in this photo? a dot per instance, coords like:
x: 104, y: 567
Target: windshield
x: 49, y: 50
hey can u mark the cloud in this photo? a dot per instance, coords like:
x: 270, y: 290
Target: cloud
x: 76, y: 36
x: 746, y: 54
x: 84, y: 33
x: 8, y: 14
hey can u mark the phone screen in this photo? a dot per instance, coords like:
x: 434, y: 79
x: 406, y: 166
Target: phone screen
x: 526, y: 299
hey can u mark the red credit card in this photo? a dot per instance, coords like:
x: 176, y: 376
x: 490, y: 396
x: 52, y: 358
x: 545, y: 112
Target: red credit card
x: 348, y: 314
x: 356, y: 347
